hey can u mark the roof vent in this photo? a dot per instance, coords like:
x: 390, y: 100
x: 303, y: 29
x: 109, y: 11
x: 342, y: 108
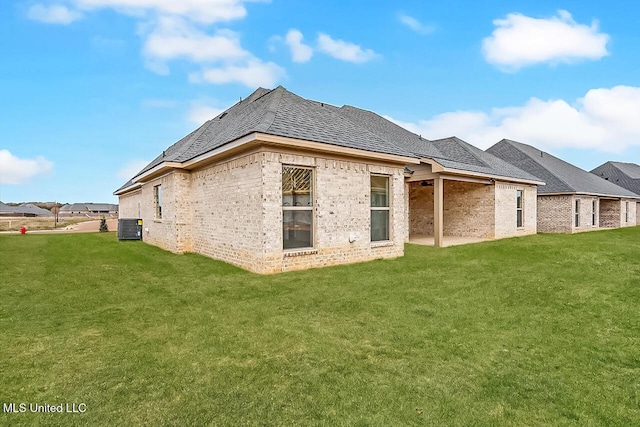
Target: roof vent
x: 541, y: 154
x: 222, y: 115
x: 164, y: 153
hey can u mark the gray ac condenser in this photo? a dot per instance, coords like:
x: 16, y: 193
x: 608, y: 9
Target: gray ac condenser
x: 129, y: 229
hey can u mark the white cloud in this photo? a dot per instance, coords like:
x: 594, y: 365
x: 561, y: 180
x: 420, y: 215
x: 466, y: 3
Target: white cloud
x: 520, y: 40
x: 180, y: 30
x: 207, y: 11
x: 300, y: 52
x: 200, y: 113
x: 174, y: 38
x: 604, y: 119
x: 415, y: 25
x: 14, y: 170
x: 131, y: 169
x: 253, y: 73
x: 343, y: 50
x: 53, y: 14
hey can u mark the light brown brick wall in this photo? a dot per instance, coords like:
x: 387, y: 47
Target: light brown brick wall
x: 638, y: 213
x: 420, y: 210
x: 586, y: 211
x: 163, y: 231
x: 632, y: 214
x: 342, y: 211
x: 505, y: 209
x: 130, y: 205
x: 228, y: 211
x: 555, y: 214
x: 469, y: 209
x: 233, y: 212
x: 610, y: 213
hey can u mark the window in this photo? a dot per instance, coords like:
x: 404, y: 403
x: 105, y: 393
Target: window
x: 297, y: 207
x: 379, y: 208
x: 626, y: 211
x: 519, y: 209
x: 594, y: 212
x: 577, y: 213
x: 157, y: 200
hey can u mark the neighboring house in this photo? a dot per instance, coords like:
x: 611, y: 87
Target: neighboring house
x: 25, y: 210
x: 89, y: 209
x: 626, y: 175
x: 278, y: 182
x: 573, y: 199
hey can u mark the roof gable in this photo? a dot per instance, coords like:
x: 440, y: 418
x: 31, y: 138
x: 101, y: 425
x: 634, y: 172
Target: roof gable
x: 626, y: 175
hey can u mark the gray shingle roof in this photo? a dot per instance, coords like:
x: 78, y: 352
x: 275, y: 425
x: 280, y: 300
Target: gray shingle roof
x: 282, y: 113
x: 559, y: 176
x: 626, y: 175
x: 452, y: 153
x: 25, y: 208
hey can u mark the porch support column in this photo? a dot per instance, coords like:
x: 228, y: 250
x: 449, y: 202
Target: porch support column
x: 438, y: 211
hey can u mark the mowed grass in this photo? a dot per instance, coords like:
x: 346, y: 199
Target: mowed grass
x: 542, y: 330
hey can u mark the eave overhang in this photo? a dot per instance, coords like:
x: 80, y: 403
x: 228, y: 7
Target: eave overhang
x: 438, y: 168
x: 254, y: 140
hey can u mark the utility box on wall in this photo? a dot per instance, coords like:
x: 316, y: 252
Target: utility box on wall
x: 129, y: 229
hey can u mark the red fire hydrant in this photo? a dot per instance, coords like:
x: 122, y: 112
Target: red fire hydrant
x: 23, y: 230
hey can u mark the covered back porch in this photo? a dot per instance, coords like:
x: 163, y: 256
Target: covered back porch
x: 448, y: 210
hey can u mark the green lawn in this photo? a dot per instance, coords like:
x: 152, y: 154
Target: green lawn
x: 542, y: 330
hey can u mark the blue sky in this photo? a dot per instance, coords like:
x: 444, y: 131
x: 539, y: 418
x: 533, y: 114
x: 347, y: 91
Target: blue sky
x: 93, y: 89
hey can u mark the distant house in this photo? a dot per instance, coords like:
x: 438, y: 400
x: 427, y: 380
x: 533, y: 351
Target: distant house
x: 24, y: 210
x: 89, y: 209
x: 278, y: 182
x: 573, y: 199
x: 626, y: 175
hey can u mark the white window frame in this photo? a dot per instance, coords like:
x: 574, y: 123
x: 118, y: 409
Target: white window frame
x: 302, y: 208
x: 520, y: 209
x: 576, y: 213
x: 381, y: 208
x: 157, y: 200
x: 594, y: 212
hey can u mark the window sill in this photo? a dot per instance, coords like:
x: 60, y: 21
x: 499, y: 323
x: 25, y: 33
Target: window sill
x: 157, y: 220
x: 299, y: 252
x: 382, y: 244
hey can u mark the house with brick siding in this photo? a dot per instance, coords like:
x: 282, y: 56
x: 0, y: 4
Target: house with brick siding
x: 278, y: 182
x: 573, y: 200
x: 626, y: 175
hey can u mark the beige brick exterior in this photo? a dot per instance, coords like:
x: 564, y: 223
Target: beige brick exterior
x: 473, y: 209
x: 506, y: 224
x: 556, y: 213
x: 638, y: 213
x: 232, y: 211
x: 130, y: 205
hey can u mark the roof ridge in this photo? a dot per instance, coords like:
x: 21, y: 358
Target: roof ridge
x: 512, y: 142
x: 465, y: 146
x: 270, y: 114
